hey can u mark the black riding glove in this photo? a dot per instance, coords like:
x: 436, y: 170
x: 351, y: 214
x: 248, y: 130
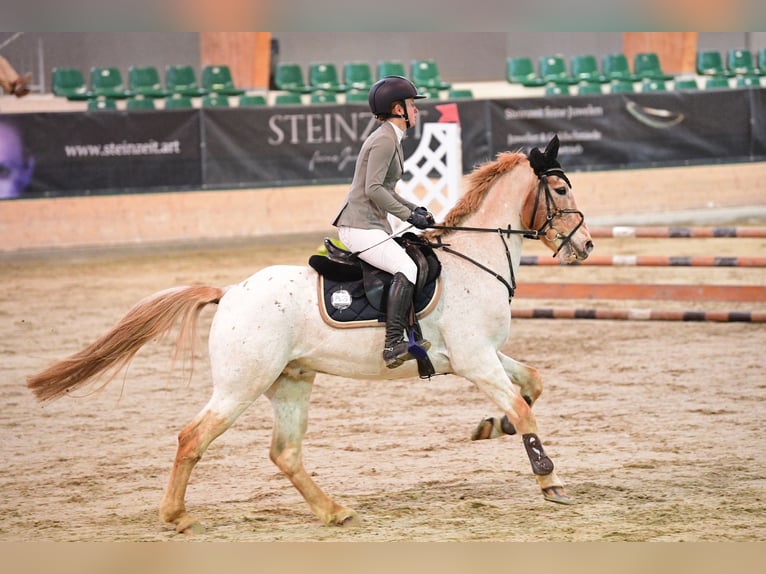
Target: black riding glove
x: 421, y: 218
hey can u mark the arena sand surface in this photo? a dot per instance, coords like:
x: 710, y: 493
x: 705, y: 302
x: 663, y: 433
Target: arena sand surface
x: 656, y: 427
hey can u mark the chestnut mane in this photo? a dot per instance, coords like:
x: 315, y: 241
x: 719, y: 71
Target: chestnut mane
x: 480, y: 180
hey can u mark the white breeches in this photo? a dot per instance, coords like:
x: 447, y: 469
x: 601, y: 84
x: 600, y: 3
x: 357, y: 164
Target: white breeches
x: 386, y: 253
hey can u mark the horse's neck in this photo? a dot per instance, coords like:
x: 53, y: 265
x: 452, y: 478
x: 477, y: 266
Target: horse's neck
x: 500, y: 208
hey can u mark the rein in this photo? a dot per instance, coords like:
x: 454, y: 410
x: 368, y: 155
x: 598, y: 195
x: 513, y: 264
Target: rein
x: 552, y: 213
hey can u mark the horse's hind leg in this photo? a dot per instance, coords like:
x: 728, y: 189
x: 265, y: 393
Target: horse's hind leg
x: 217, y: 416
x: 289, y: 398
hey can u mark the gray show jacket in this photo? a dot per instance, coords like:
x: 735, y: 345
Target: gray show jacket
x: 372, y: 195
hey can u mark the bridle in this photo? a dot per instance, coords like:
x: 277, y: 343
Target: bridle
x: 553, y: 212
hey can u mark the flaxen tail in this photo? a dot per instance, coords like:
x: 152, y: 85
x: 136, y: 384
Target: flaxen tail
x: 151, y: 318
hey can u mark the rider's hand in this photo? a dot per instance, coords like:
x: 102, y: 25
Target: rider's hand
x: 421, y: 218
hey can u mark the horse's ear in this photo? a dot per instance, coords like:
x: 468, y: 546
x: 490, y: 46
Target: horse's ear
x: 537, y: 160
x: 552, y: 149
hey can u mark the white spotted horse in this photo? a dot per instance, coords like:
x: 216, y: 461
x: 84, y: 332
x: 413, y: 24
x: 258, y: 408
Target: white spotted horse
x: 268, y: 336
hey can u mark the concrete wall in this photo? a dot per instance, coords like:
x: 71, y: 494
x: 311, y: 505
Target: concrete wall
x: 462, y: 57
x: 93, y: 222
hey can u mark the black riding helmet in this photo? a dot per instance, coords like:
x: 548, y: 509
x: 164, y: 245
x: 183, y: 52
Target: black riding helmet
x: 388, y: 90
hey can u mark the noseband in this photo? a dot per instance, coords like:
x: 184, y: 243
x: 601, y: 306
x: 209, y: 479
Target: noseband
x: 552, y: 212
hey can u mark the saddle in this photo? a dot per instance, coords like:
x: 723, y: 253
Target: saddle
x: 353, y: 293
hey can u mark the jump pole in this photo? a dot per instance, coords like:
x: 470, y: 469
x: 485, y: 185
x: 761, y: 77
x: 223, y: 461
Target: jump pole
x: 641, y: 315
x: 668, y: 292
x: 651, y: 261
x: 676, y: 232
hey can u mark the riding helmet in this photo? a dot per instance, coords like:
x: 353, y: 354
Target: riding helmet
x: 388, y: 90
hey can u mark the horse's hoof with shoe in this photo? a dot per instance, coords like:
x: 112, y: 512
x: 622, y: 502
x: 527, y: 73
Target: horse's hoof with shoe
x: 556, y: 494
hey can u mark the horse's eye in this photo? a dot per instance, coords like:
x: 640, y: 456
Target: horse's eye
x: 561, y: 190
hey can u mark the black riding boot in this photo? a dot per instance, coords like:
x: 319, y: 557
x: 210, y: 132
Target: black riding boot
x: 396, y: 348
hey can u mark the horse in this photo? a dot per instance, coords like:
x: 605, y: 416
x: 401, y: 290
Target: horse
x: 267, y: 338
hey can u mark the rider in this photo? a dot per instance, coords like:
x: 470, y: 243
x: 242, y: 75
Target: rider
x: 362, y: 222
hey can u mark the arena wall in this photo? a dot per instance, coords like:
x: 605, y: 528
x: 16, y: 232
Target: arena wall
x: 145, y: 219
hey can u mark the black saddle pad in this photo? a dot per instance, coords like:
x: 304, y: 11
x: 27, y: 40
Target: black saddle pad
x: 354, y: 291
x: 345, y: 304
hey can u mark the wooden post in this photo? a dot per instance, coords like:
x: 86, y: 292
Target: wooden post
x: 677, y: 50
x: 248, y: 55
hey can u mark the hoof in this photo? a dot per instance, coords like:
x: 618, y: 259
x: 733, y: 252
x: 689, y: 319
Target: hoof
x: 556, y: 494
x: 189, y: 525
x: 344, y: 517
x: 484, y: 429
x: 350, y: 521
x: 493, y: 428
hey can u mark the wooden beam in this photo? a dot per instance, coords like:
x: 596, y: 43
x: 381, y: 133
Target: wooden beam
x: 677, y: 50
x: 248, y: 55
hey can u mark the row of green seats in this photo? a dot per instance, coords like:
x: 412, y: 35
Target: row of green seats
x: 583, y: 68
x: 107, y: 82
x: 356, y: 75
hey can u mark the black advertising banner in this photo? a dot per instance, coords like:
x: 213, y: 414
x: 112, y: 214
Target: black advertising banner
x: 107, y: 151
x: 83, y: 153
x: 758, y: 112
x: 296, y: 145
x: 630, y: 130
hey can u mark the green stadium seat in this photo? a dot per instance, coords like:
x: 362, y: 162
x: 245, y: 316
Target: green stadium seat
x: 357, y: 75
x: 587, y: 87
x: 762, y: 61
x: 145, y: 81
x: 323, y: 76
x: 653, y: 85
x: 615, y: 67
x: 101, y: 103
x: 554, y: 89
x: 585, y: 68
x: 215, y: 101
x: 716, y: 82
x: 289, y: 77
x: 520, y: 70
x: 181, y: 79
x: 390, y: 68
x: 217, y: 79
x: 323, y: 97
x: 685, y: 83
x: 621, y: 86
x: 248, y: 100
x: 70, y: 83
x: 647, y: 65
x: 107, y: 81
x: 139, y: 103
x: 425, y: 74
x: 288, y: 99
x: 460, y: 94
x: 710, y: 63
x: 357, y: 96
x: 554, y: 69
x: 741, y: 63
x: 748, y: 81
x: 178, y: 102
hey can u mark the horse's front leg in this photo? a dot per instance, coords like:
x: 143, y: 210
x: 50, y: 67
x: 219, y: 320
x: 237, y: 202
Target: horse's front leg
x: 289, y: 397
x: 530, y: 386
x: 487, y: 372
